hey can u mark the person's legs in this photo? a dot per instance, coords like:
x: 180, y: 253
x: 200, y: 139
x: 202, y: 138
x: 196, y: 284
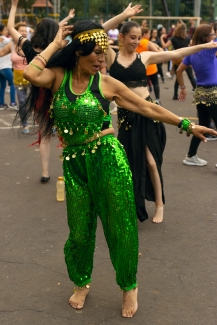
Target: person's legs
x: 45, y: 155
x: 189, y: 72
x: 212, y: 109
x: 9, y: 77
x: 176, y: 84
x: 2, y: 88
x: 22, y: 96
x: 112, y: 191
x: 204, y: 119
x: 82, y: 221
x: 155, y: 83
x: 160, y: 71
x: 155, y: 179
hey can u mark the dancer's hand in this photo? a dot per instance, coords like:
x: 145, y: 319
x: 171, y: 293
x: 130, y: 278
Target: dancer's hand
x: 63, y: 31
x: 210, y: 45
x: 132, y: 11
x: 14, y: 3
x: 182, y: 95
x: 199, y: 130
x: 71, y: 13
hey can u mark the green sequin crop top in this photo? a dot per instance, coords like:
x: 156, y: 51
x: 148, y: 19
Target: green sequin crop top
x: 80, y: 118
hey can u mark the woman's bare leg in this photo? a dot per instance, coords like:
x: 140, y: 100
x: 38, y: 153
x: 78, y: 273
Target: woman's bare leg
x: 155, y: 179
x: 45, y: 155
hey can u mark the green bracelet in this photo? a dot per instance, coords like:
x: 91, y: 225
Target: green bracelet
x: 186, y: 125
x: 35, y: 66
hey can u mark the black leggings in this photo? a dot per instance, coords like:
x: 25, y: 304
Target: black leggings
x: 205, y: 113
x: 160, y: 70
x: 154, y: 80
x: 190, y: 77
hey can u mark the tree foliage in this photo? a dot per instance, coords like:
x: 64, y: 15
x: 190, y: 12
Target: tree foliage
x: 96, y: 9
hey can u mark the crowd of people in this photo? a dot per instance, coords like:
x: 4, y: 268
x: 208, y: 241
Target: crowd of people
x: 58, y: 82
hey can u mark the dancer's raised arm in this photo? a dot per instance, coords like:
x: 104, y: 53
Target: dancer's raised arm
x: 11, y: 21
x: 66, y: 19
x: 127, y: 13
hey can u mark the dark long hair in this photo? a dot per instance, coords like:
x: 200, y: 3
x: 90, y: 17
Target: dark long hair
x: 44, y: 33
x: 1, y: 27
x: 40, y: 99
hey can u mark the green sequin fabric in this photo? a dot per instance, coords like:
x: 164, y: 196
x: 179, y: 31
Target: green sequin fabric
x: 98, y: 182
x: 79, y: 121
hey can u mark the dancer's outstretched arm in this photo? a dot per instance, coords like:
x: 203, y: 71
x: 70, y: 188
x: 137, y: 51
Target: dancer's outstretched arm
x: 111, y: 88
x: 160, y: 57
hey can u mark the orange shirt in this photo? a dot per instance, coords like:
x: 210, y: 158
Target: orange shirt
x: 143, y: 46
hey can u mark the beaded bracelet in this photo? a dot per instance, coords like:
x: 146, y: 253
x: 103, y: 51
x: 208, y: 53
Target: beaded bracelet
x: 35, y: 66
x: 42, y: 62
x: 42, y: 58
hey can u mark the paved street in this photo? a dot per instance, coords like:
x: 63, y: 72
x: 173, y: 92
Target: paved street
x: 178, y: 259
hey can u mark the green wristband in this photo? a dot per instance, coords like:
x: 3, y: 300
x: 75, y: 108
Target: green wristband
x: 185, y: 124
x: 35, y: 66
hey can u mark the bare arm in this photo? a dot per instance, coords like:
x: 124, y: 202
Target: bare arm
x: 167, y: 44
x: 70, y: 16
x: 10, y: 26
x: 35, y: 72
x: 165, y: 56
x: 127, y: 13
x: 179, y: 75
x: 6, y: 50
x: 154, y: 47
x: 124, y: 97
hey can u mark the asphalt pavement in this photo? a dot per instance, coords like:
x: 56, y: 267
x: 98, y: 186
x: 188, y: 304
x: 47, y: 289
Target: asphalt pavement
x: 178, y: 259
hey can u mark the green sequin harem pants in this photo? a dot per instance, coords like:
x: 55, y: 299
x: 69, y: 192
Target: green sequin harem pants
x: 99, y: 183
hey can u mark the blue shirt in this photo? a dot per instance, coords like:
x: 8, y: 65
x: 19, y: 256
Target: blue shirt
x: 204, y: 64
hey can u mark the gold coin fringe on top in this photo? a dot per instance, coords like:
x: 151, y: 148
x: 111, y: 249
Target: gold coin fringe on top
x: 97, y: 35
x: 206, y: 96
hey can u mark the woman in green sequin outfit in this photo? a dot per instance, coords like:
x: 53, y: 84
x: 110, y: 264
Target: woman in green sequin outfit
x: 96, y: 171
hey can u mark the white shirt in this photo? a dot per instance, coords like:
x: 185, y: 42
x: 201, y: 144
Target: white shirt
x: 5, y: 61
x: 113, y: 34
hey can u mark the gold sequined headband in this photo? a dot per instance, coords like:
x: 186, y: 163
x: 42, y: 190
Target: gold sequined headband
x: 97, y: 35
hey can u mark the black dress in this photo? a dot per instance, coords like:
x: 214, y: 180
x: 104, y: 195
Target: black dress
x: 136, y: 132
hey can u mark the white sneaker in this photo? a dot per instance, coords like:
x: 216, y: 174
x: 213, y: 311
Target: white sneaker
x: 216, y: 165
x: 168, y: 75
x: 194, y: 161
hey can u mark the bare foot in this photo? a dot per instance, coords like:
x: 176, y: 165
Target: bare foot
x: 77, y: 300
x: 159, y: 214
x: 130, y: 304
